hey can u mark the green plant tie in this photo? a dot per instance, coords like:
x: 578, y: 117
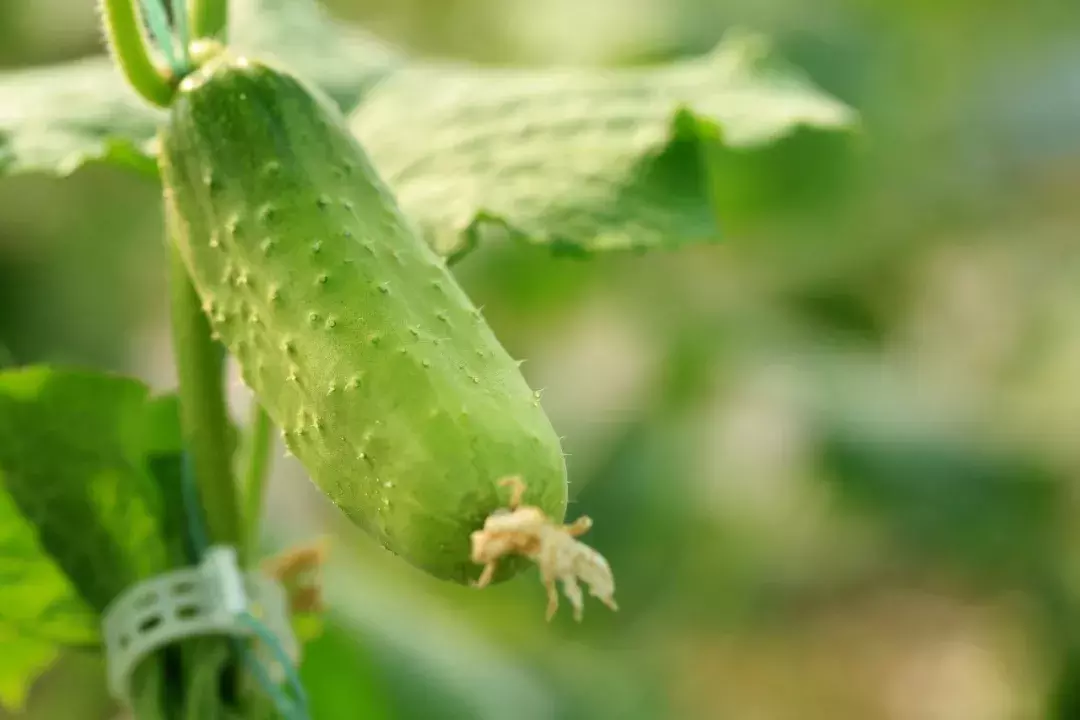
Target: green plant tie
x: 294, y: 708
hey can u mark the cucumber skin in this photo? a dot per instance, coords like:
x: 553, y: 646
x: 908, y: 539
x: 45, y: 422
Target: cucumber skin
x: 389, y: 386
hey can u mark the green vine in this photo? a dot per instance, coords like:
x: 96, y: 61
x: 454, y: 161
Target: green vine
x: 129, y: 46
x: 203, y: 413
x: 209, y: 19
x: 256, y: 466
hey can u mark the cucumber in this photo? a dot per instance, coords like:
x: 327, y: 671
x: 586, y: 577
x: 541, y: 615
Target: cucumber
x: 387, y: 383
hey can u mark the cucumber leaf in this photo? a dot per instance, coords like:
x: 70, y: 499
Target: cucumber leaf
x: 342, y: 60
x: 56, y: 119
x: 40, y: 609
x: 581, y: 160
x: 72, y: 463
x: 79, y: 511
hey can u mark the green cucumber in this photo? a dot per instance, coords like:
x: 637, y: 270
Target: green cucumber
x: 388, y: 384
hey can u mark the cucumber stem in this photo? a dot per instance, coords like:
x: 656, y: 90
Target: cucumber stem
x: 209, y: 19
x: 204, y: 418
x: 256, y: 467
x: 131, y: 51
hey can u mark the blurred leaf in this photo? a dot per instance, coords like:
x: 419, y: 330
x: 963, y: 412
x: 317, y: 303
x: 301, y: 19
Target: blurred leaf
x: 40, y: 610
x: 1063, y: 702
x: 580, y: 160
x: 431, y: 666
x: 644, y: 527
x: 56, y: 119
x: 431, y: 661
x: 25, y: 658
x: 341, y: 678
x: 639, y: 523
x: 342, y: 60
x: 308, y: 627
x: 72, y: 458
x: 163, y: 436
x: 939, y: 492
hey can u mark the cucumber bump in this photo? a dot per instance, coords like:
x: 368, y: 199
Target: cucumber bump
x: 388, y: 384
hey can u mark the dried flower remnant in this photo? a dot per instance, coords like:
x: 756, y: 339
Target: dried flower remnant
x: 299, y: 570
x: 526, y: 530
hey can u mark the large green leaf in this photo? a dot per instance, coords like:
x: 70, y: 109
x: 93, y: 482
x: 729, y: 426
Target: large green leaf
x: 428, y: 665
x: 72, y: 461
x: 78, y: 511
x: 344, y: 61
x: 40, y: 610
x: 56, y: 119
x: 579, y: 159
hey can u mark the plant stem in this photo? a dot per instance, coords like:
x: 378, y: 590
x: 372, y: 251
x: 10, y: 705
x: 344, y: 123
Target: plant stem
x: 203, y: 414
x: 148, y: 691
x: 131, y: 51
x: 209, y: 18
x: 256, y: 467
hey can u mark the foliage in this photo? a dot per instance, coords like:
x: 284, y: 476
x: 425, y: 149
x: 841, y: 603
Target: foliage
x: 577, y: 159
x: 82, y: 515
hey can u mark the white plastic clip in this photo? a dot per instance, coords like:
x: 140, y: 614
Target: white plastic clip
x: 209, y: 599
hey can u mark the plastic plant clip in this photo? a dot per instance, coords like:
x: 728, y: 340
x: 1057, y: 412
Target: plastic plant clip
x: 213, y: 598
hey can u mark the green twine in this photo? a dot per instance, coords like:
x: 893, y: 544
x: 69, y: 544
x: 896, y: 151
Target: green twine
x: 157, y: 20
x: 173, y: 38
x: 183, y: 34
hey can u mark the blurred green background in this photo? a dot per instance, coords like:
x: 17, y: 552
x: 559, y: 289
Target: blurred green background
x: 832, y: 461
